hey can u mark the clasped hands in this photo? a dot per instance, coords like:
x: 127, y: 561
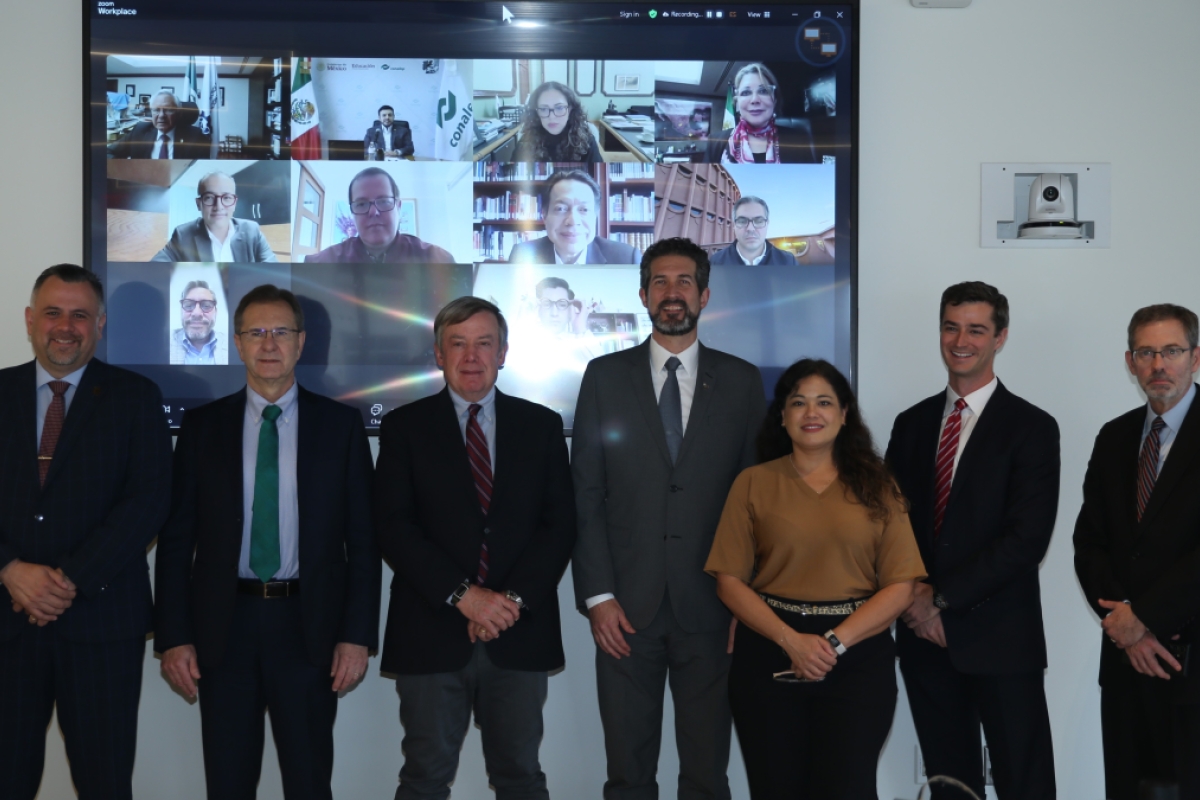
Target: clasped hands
x: 1129, y: 633
x: 923, y: 617
x: 42, y: 592
x: 812, y: 656
x: 488, y: 613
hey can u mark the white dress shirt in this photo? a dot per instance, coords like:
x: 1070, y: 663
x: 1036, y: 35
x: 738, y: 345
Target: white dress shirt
x: 222, y: 251
x: 158, y: 143
x: 976, y: 401
x: 1173, y: 419
x: 288, y: 425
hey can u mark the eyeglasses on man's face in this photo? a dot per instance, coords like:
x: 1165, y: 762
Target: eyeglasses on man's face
x: 260, y: 335
x: 210, y: 199
x: 742, y: 222
x: 557, y: 110
x: 761, y: 91
x: 561, y: 305
x: 382, y: 205
x: 205, y: 305
x: 1144, y: 355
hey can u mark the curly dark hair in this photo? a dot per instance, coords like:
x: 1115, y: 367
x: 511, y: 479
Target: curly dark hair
x: 578, y: 140
x: 860, y: 468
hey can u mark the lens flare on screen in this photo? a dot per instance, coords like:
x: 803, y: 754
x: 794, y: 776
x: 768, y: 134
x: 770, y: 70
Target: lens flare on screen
x: 387, y: 386
x: 773, y: 302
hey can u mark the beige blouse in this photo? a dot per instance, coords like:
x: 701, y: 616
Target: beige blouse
x: 783, y: 538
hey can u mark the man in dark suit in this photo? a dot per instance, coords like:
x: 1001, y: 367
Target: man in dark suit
x: 216, y: 235
x: 1137, y: 555
x: 661, y: 431
x: 168, y: 134
x: 980, y: 468
x: 751, y: 218
x: 478, y: 551
x: 570, y: 214
x: 267, y: 576
x: 391, y: 137
x: 85, y: 471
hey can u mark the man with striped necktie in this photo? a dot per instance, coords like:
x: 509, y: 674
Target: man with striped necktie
x: 980, y: 469
x: 1137, y: 555
x: 475, y: 512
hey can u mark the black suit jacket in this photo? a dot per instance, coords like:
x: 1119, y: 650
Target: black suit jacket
x: 1154, y: 563
x: 600, y: 251
x: 401, y: 138
x: 431, y: 530
x: 998, y: 523
x: 141, y: 141
x: 196, y: 568
x: 105, y: 497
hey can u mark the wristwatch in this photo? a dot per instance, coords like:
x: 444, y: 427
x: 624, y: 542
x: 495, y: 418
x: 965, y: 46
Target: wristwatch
x: 516, y: 598
x: 939, y: 601
x: 460, y: 592
x: 838, y: 647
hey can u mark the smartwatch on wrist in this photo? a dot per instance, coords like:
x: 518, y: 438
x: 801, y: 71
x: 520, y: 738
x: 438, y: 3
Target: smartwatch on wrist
x: 838, y: 647
x: 940, y: 602
x: 460, y: 592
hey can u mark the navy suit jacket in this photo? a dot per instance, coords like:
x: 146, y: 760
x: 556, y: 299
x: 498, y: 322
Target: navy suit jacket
x: 401, y: 138
x: 999, y: 518
x: 105, y: 497
x: 196, y: 567
x: 1155, y: 562
x: 141, y: 141
x: 431, y: 530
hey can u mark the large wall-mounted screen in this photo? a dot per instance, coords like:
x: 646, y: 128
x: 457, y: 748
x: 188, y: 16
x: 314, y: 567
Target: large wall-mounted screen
x: 382, y: 158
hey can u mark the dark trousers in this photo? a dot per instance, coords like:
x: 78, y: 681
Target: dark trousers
x: 265, y: 669
x: 631, y: 709
x: 1147, y: 737
x: 96, y: 687
x: 948, y: 708
x: 818, y: 740
x: 435, y: 710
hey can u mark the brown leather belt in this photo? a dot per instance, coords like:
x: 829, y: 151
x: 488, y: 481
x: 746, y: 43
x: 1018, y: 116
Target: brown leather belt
x: 268, y: 590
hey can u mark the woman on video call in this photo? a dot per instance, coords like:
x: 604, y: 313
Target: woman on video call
x: 816, y: 558
x: 556, y: 128
x: 758, y: 138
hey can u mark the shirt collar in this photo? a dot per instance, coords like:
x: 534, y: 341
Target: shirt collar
x: 44, y: 377
x: 255, y: 402
x: 976, y: 400
x: 462, y: 407
x: 689, y: 359
x: 1173, y: 418
x: 213, y: 237
x: 754, y: 262
x: 210, y: 345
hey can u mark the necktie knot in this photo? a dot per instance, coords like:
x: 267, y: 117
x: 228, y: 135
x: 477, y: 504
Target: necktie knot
x: 164, y: 138
x: 474, y: 410
x: 673, y: 363
x: 60, y: 388
x: 960, y: 404
x: 271, y: 413
x: 1158, y: 424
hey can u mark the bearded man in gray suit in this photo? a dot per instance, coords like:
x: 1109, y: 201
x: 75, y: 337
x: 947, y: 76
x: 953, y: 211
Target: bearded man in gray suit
x: 661, y: 431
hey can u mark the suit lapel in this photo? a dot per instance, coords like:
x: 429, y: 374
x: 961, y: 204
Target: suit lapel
x: 25, y: 410
x: 231, y: 431
x: 594, y: 254
x: 507, y: 442
x: 90, y: 392
x: 643, y: 391
x: 706, y: 384
x: 987, y: 427
x: 308, y: 465
x: 203, y: 243
x: 445, y: 431
x: 928, y: 433
x: 1183, y: 452
x: 237, y: 242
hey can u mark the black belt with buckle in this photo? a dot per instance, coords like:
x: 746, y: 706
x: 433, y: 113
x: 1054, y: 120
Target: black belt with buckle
x: 268, y: 590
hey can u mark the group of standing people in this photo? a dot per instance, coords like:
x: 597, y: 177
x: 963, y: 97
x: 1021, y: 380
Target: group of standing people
x: 754, y: 564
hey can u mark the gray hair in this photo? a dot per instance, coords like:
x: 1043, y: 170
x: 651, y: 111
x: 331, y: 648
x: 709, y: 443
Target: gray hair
x: 1161, y: 313
x: 752, y: 199
x: 197, y: 285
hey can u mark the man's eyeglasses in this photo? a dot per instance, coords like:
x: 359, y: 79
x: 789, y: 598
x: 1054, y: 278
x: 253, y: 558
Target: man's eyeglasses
x: 558, y: 110
x: 209, y: 199
x: 382, y: 204
x: 205, y: 305
x: 1145, y: 355
x: 761, y: 91
x: 561, y: 305
x: 278, y: 334
x: 742, y: 222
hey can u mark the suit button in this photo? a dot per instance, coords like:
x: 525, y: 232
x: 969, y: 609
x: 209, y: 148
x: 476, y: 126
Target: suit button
x: 38, y: 518
x: 675, y: 488
x: 487, y: 530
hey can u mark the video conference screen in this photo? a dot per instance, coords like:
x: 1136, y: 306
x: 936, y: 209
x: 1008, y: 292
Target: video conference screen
x: 380, y: 159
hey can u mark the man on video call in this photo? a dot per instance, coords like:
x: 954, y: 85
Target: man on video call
x: 392, y: 137
x: 569, y: 212
x: 751, y: 217
x: 168, y: 134
x: 215, y: 235
x: 375, y: 203
x: 197, y: 341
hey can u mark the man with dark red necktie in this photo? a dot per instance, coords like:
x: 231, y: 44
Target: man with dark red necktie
x: 475, y: 513
x: 1137, y: 555
x: 980, y: 469
x: 85, y: 484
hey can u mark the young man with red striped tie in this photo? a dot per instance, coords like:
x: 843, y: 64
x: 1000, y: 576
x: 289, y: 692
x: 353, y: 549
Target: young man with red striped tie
x: 980, y: 468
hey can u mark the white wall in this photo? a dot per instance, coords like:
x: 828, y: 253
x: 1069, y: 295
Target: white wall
x: 942, y: 91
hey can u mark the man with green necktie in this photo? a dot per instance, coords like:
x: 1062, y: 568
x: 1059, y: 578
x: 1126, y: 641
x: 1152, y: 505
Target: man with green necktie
x: 267, y: 574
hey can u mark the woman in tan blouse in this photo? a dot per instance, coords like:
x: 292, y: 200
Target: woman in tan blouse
x: 815, y: 556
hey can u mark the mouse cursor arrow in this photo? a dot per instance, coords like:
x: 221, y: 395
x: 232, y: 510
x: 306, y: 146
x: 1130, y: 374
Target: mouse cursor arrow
x: 505, y: 14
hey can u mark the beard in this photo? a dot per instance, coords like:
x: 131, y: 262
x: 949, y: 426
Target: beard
x: 674, y: 327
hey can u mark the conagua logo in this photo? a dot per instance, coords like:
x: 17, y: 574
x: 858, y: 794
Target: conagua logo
x: 303, y: 110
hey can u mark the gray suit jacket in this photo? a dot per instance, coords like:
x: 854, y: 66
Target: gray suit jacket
x: 600, y: 251
x: 190, y: 242
x: 645, y: 526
